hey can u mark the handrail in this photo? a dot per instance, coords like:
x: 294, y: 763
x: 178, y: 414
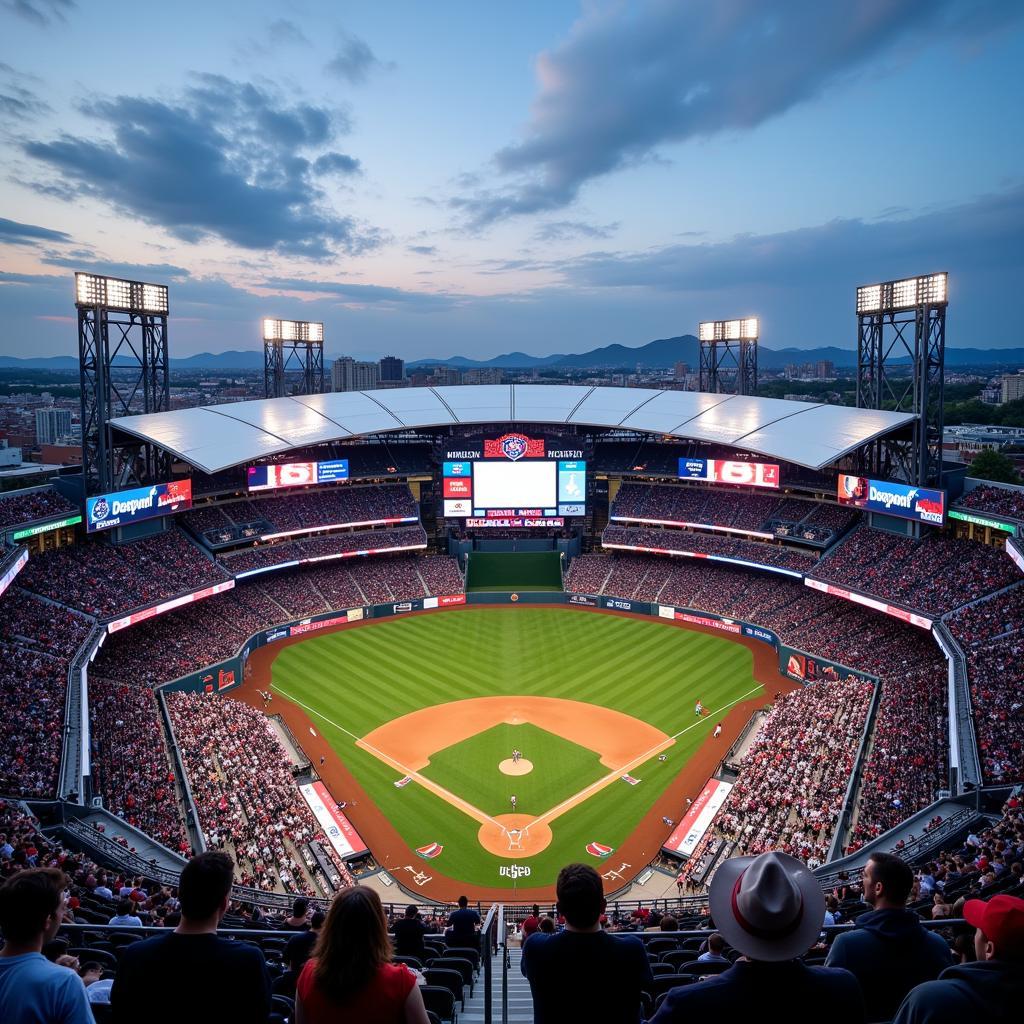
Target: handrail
x: 505, y: 962
x: 489, y: 940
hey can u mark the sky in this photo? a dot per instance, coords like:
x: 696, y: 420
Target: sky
x: 464, y: 178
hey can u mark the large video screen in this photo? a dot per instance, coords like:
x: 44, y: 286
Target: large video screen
x: 725, y: 471
x: 106, y: 511
x: 273, y: 476
x: 506, y: 490
x: 921, y: 504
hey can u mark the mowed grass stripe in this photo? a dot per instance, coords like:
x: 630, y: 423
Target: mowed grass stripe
x: 363, y: 677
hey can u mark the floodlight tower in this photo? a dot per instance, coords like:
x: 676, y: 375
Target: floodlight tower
x: 293, y: 347
x: 728, y: 356
x: 123, y: 370
x: 897, y: 320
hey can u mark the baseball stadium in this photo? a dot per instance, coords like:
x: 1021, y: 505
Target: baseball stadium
x: 442, y: 641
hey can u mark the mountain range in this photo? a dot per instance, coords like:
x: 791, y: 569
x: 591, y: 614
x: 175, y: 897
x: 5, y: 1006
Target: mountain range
x: 661, y: 354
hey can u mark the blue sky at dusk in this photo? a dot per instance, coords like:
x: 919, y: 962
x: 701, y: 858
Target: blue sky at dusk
x: 466, y: 178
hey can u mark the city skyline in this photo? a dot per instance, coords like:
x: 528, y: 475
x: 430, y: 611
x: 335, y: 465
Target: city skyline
x: 552, y: 178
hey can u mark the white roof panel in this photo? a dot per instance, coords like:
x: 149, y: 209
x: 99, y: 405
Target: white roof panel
x: 610, y: 406
x: 546, y: 403
x: 478, y: 403
x: 672, y: 410
x: 217, y: 437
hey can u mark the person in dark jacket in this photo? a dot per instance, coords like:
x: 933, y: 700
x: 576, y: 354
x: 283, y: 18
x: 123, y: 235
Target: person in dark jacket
x: 770, y: 908
x: 888, y: 952
x: 409, y: 932
x: 990, y: 990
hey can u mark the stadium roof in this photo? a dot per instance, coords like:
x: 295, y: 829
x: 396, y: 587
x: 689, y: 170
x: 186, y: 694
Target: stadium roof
x: 217, y: 437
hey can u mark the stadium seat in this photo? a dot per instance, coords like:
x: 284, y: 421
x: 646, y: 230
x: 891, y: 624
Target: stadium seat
x: 439, y: 1000
x: 675, y: 957
x: 699, y: 968
x: 658, y: 946
x: 665, y: 982
x: 456, y: 963
x: 466, y: 953
x: 100, y: 956
x: 659, y: 968
x: 410, y: 961
x: 446, y: 978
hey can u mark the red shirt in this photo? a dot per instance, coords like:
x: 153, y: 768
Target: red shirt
x: 382, y: 1001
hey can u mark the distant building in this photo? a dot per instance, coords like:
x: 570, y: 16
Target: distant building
x: 447, y: 376
x: 824, y: 369
x: 484, y: 376
x: 10, y: 458
x: 680, y: 371
x: 1012, y: 388
x: 392, y: 369
x: 52, y: 425
x: 348, y: 374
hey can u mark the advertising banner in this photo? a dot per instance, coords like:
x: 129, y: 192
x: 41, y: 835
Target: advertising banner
x: 8, y: 577
x: 296, y: 474
x: 214, y: 679
x: 515, y: 521
x: 584, y: 599
x: 966, y: 517
x: 340, y: 831
x: 109, y: 510
x: 457, y: 487
x: 698, y: 817
x: 666, y: 611
x: 869, y: 602
x: 514, y: 447
x: 920, y: 504
x: 446, y: 600
x: 34, y: 531
x: 724, y: 625
x: 623, y: 606
x: 724, y: 471
x: 463, y: 469
x: 809, y: 668
x: 168, y: 606
x: 760, y: 633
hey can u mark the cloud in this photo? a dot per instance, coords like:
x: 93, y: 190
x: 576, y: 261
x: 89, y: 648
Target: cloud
x: 17, y: 101
x: 971, y: 240
x: 354, y: 60
x: 343, y: 291
x: 566, y: 230
x: 28, y: 234
x: 631, y: 78
x: 422, y: 250
x: 228, y: 159
x: 40, y: 12
x: 157, y: 273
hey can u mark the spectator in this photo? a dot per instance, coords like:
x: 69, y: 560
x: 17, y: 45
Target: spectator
x: 583, y: 973
x: 769, y: 908
x: 462, y: 925
x: 409, y: 932
x: 716, y: 951
x: 531, y: 923
x: 298, y: 950
x: 351, y: 976
x: 33, y: 990
x: 191, y: 974
x: 990, y: 990
x: 124, y: 915
x: 888, y: 951
x: 299, y: 920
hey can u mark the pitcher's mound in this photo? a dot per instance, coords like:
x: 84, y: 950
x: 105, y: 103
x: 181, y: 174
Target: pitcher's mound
x: 520, y: 767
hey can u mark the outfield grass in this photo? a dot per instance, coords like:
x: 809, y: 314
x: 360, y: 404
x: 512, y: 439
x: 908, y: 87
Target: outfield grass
x: 357, y: 679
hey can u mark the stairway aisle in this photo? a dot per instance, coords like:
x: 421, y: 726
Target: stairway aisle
x: 520, y: 1005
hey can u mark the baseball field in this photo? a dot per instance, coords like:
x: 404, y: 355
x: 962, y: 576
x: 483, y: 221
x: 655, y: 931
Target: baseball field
x: 422, y: 715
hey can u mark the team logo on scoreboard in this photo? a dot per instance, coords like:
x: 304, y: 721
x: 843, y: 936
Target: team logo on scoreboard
x: 514, y: 447
x: 100, y: 510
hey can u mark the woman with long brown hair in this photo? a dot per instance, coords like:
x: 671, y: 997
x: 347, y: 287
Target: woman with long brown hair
x: 350, y: 976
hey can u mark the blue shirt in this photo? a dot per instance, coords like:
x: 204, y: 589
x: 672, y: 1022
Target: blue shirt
x: 34, y: 991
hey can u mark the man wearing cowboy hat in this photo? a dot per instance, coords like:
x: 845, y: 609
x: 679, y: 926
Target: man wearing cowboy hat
x: 770, y: 908
x: 992, y: 988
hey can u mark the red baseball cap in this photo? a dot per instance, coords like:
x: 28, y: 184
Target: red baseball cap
x: 1001, y: 920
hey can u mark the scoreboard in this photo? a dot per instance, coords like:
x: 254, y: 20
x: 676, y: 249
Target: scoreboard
x: 514, y: 481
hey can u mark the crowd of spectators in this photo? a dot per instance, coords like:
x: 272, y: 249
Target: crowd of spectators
x: 130, y: 765
x: 37, y: 643
x: 1001, y: 501
x: 16, y: 509
x: 935, y: 575
x: 323, y: 547
x: 793, y: 779
x: 710, y: 544
x: 212, y: 630
x: 104, y: 580
x: 301, y: 510
x: 248, y: 801
x: 911, y: 713
x: 991, y: 634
